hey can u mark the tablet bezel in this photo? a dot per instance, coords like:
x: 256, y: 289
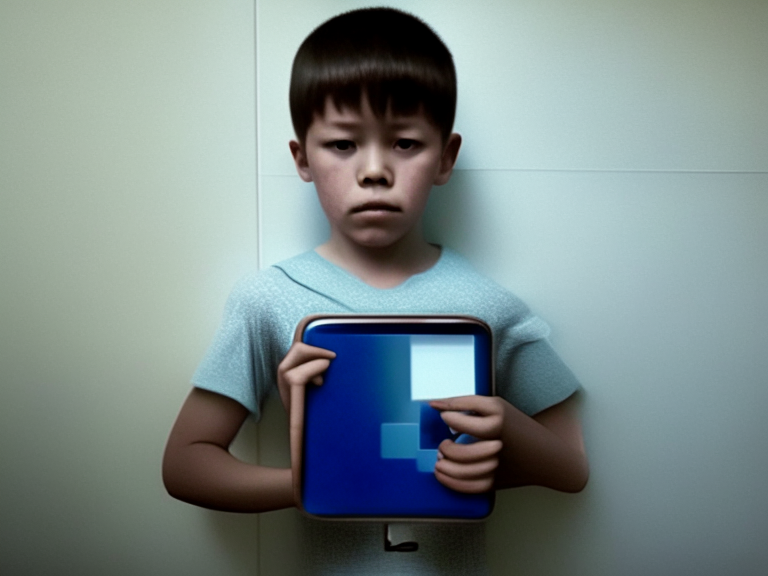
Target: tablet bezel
x: 298, y: 403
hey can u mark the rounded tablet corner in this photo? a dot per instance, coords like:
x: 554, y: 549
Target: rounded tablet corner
x: 491, y: 506
x: 307, y: 321
x: 298, y: 334
x: 303, y: 511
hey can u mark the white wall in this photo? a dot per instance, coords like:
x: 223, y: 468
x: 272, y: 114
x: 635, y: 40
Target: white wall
x: 614, y: 175
x: 127, y: 210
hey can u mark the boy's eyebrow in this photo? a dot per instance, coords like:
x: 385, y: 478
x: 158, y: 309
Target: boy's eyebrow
x: 400, y: 124
x: 344, y: 123
x: 392, y: 124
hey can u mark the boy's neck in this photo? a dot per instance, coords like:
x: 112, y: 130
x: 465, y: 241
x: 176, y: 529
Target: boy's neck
x: 381, y: 267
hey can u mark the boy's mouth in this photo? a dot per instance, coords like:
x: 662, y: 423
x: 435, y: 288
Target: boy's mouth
x: 375, y: 207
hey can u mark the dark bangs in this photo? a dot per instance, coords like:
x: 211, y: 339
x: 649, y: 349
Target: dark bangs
x: 392, y: 57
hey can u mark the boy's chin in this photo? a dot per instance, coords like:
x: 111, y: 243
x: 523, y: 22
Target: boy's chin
x: 378, y: 241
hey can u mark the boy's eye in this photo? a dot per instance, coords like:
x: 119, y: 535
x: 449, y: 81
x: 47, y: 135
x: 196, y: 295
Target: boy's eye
x: 341, y: 145
x: 406, y: 144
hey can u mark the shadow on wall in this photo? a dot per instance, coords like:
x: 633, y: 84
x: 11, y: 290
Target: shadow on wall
x: 542, y: 531
x: 451, y: 213
x: 463, y: 215
x: 238, y: 534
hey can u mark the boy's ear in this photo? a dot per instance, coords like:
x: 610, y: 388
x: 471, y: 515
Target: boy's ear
x: 300, y: 159
x: 448, y: 160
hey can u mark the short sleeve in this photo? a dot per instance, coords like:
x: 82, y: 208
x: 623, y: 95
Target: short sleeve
x: 532, y: 377
x: 236, y: 363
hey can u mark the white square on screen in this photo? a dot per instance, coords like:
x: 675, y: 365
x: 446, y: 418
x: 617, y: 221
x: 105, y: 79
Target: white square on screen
x: 442, y: 366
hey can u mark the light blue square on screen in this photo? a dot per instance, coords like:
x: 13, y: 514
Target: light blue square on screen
x: 399, y: 440
x: 426, y: 460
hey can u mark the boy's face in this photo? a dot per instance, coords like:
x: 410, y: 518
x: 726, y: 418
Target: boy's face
x: 373, y: 175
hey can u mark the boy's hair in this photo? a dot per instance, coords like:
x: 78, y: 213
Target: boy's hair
x: 392, y: 57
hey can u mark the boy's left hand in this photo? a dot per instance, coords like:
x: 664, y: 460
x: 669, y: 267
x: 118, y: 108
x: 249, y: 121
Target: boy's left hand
x: 470, y: 468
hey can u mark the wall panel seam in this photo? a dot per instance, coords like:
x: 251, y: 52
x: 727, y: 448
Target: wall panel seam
x: 257, y: 168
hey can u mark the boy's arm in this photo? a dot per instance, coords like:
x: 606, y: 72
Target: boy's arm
x: 198, y: 467
x: 513, y: 449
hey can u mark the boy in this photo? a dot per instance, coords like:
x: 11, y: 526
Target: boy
x: 373, y: 96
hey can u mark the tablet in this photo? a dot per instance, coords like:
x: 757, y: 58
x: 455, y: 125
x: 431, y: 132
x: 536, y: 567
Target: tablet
x: 367, y: 447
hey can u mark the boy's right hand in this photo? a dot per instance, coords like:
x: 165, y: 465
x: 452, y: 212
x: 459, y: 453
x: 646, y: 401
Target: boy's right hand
x: 303, y: 364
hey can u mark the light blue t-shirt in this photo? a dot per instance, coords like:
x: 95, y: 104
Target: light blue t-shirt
x: 260, y: 318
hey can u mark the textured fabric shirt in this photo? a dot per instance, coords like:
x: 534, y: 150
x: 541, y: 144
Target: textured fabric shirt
x: 260, y: 318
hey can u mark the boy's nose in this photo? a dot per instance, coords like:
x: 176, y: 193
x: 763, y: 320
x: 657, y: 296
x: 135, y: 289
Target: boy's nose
x: 374, y: 170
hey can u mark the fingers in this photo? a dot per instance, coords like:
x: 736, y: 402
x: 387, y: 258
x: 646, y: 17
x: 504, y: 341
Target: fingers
x: 483, y: 405
x: 310, y: 371
x: 468, y: 471
x: 470, y: 453
x: 480, y: 416
x: 484, y: 427
x: 302, y: 364
x: 468, y: 486
x: 468, y: 468
x: 301, y: 353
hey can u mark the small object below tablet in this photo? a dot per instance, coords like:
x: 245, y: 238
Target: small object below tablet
x: 369, y: 441
x: 398, y: 538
